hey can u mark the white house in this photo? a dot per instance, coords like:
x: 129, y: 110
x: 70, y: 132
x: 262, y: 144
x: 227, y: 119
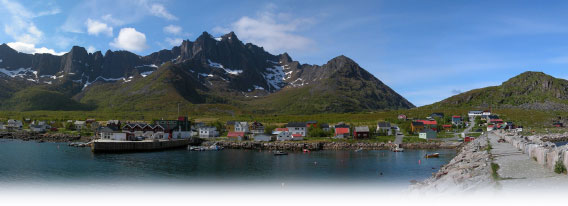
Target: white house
x: 108, y: 133
x: 208, y: 132
x: 79, y: 125
x: 242, y: 127
x: 473, y: 114
x: 297, y: 128
x: 385, y: 128
x: 14, y: 124
x: 284, y: 136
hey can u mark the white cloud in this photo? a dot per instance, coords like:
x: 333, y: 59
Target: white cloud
x: 91, y: 49
x: 31, y: 49
x: 130, y: 39
x: 160, y: 11
x: 19, y: 24
x: 96, y: 27
x: 173, y: 29
x: 174, y: 41
x: 274, y: 32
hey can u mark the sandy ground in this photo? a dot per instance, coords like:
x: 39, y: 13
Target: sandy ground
x: 519, y: 172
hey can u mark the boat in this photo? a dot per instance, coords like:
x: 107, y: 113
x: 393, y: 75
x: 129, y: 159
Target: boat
x: 432, y: 155
x: 398, y: 149
x: 306, y: 150
x: 214, y: 147
x: 359, y: 150
x: 277, y: 153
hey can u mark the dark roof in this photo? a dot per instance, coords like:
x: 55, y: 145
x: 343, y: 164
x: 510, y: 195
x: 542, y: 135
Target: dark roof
x: 437, y: 114
x: 362, y: 129
x: 324, y: 125
x: 384, y: 124
x: 341, y: 126
x: 230, y: 122
x: 296, y: 124
x: 418, y: 123
x: 312, y: 122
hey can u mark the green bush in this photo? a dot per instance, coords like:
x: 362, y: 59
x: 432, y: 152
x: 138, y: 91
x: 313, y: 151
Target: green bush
x: 559, y: 167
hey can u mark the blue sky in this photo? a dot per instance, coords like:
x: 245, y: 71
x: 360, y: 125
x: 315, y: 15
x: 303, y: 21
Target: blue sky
x: 425, y: 50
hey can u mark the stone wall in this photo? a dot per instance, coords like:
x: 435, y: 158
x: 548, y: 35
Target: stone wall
x: 539, y: 148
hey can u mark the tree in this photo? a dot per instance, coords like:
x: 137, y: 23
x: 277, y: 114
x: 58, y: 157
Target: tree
x: 269, y: 128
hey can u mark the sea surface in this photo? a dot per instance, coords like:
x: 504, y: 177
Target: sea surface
x: 31, y: 162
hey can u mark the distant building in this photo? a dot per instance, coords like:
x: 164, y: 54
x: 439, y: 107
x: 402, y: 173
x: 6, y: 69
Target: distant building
x: 429, y: 124
x: 362, y: 132
x: 242, y: 127
x: 111, y: 134
x: 262, y: 138
x: 341, y: 130
x: 383, y: 128
x: 416, y: 126
x: 80, y: 125
x: 402, y: 117
x: 473, y: 114
x: 325, y: 127
x: 277, y: 131
x: 447, y: 127
x: 146, y: 131
x: 230, y: 126
x: 490, y: 127
x: 284, y: 136
x: 312, y: 123
x: 208, y: 132
x: 257, y: 128
x: 297, y: 128
x: 456, y: 120
x: 427, y: 134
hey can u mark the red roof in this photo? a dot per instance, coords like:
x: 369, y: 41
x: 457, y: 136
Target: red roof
x: 456, y: 117
x: 447, y: 125
x: 428, y: 122
x: 282, y: 129
x: 490, y: 125
x: 341, y: 130
x: 296, y: 135
x: 236, y: 134
x: 497, y: 120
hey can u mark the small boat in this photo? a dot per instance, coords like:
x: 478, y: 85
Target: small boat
x: 306, y: 150
x: 277, y: 153
x: 359, y: 150
x: 432, y: 155
x: 398, y: 149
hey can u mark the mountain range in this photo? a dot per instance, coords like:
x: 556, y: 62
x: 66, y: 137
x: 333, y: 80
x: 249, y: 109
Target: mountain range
x: 211, y: 73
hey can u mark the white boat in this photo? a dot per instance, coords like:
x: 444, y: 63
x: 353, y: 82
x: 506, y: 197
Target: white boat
x: 398, y: 149
x: 359, y: 150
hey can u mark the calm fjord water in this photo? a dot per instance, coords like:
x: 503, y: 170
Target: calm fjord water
x: 56, y: 162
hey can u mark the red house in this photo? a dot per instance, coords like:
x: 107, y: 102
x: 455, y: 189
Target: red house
x: 447, y: 127
x: 236, y: 136
x: 341, y: 131
x: 429, y: 124
x: 312, y: 124
x: 361, y: 132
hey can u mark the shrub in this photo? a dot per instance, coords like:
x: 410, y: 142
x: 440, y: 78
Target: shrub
x: 559, y: 167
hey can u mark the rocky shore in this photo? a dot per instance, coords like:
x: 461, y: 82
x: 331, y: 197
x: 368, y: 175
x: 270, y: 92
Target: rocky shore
x: 297, y: 146
x: 468, y: 171
x: 46, y: 137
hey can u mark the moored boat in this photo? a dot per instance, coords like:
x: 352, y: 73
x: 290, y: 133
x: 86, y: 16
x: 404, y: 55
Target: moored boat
x: 432, y: 155
x: 398, y: 149
x: 277, y: 153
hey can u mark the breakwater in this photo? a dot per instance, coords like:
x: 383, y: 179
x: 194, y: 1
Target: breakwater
x: 470, y: 169
x: 297, y: 146
x: 99, y: 146
x: 45, y: 137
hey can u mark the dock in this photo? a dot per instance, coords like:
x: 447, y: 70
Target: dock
x: 112, y: 146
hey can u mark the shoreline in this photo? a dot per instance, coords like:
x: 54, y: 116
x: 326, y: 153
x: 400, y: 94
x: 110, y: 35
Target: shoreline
x: 43, y: 137
x: 298, y: 146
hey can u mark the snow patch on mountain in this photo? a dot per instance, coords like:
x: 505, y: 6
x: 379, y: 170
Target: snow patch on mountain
x: 275, y: 77
x: 21, y: 72
x: 220, y: 66
x: 258, y: 87
x: 145, y: 74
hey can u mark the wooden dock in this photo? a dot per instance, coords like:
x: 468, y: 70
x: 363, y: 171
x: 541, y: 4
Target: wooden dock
x: 101, y: 146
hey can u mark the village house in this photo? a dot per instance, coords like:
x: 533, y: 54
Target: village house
x: 297, y: 129
x: 490, y: 127
x: 109, y: 133
x: 429, y: 124
x: 325, y: 127
x: 456, y: 120
x: 208, y: 132
x: 256, y: 128
x: 114, y: 124
x: 383, y: 128
x: 136, y: 131
x: 277, y: 131
x: 179, y: 129
x: 416, y: 126
x: 401, y: 117
x: 262, y: 138
x: 39, y: 126
x: 496, y: 121
x: 242, y: 127
x: 284, y: 136
x: 2, y: 126
x: 297, y: 137
x: 312, y: 124
x: 80, y: 125
x: 342, y: 130
x: 361, y: 132
x: 236, y: 136
x: 230, y: 126
x: 473, y: 114
x: 427, y: 134
x: 14, y: 124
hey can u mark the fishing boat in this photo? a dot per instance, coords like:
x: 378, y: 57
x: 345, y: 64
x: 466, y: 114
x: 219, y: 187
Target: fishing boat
x: 398, y: 149
x: 305, y: 150
x: 277, y: 153
x: 359, y: 150
x: 432, y: 155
